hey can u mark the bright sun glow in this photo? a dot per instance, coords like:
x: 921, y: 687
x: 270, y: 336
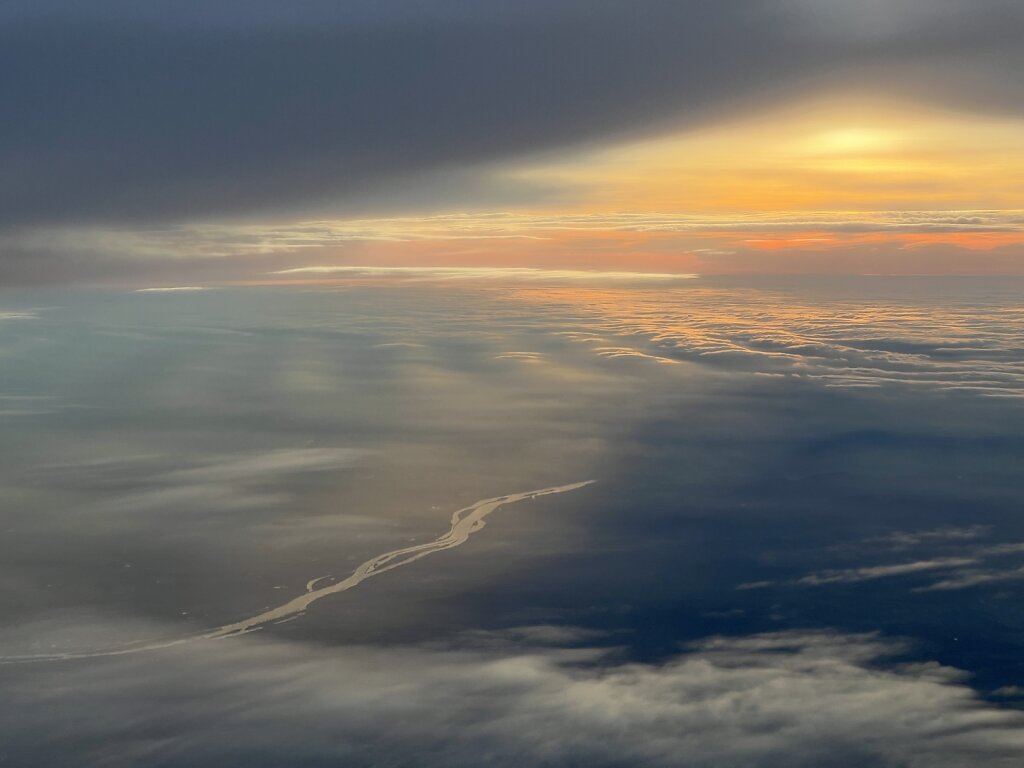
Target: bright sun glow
x: 849, y: 154
x: 851, y: 141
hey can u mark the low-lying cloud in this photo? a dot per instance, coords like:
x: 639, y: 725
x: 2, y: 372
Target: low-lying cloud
x: 968, y: 562
x: 850, y: 340
x: 152, y: 484
x: 796, y: 699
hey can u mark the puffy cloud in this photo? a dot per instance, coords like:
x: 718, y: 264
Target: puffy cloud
x: 799, y: 699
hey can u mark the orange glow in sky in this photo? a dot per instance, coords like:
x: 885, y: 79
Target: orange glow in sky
x: 837, y: 185
x: 834, y: 155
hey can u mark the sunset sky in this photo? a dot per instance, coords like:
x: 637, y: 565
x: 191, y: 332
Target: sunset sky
x: 512, y: 383
x: 228, y: 143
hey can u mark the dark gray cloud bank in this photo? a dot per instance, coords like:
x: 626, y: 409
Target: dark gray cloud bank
x: 116, y: 112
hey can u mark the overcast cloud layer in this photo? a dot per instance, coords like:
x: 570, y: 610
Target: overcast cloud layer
x: 164, y: 112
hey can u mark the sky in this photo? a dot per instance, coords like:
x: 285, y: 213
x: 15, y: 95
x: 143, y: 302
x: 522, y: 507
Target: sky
x: 512, y: 383
x: 172, y: 144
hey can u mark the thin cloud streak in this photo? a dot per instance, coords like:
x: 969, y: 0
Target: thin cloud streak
x: 971, y: 565
x: 527, y: 273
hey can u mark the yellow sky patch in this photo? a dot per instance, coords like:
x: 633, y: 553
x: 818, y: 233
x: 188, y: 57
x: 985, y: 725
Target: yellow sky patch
x: 841, y: 154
